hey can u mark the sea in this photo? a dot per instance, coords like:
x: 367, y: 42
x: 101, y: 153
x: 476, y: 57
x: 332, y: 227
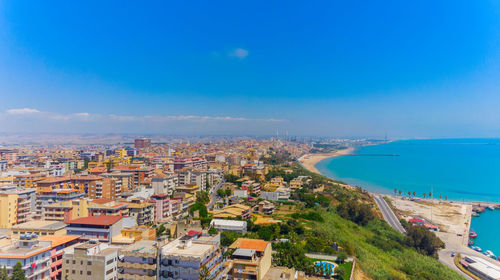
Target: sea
x: 453, y: 169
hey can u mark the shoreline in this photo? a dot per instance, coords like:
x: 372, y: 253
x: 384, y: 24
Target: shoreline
x: 309, y: 161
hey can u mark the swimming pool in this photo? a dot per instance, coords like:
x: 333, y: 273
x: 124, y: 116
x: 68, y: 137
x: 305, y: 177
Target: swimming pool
x: 325, y: 267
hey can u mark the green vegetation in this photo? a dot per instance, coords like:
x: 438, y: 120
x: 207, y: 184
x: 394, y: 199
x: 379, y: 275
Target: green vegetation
x: 348, y: 219
x: 18, y: 272
x: 381, y: 251
x: 311, y: 216
x: 356, y: 212
x: 199, y: 206
x: 425, y: 241
x: 203, y: 197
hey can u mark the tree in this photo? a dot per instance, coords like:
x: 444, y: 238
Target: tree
x: 160, y: 230
x: 395, y: 191
x: 3, y: 274
x: 414, y: 193
x: 201, y: 207
x: 400, y: 192
x: 341, y: 257
x: 425, y: 195
x: 340, y: 272
x: 439, y: 196
x: 409, y: 194
x: 445, y: 197
x: 221, y: 193
x: 18, y: 272
x: 228, y: 192
x: 205, y: 273
x: 212, y: 230
x: 425, y: 241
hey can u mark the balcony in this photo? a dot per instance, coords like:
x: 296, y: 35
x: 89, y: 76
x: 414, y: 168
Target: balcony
x: 137, y: 265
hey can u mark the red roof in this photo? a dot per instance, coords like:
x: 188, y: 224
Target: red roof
x: 103, y: 220
x: 416, y: 221
x: 193, y: 233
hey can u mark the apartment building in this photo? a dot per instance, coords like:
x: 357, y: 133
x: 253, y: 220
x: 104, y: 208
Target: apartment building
x: 163, y: 210
x: 104, y: 206
x: 65, y: 211
x: 185, y: 257
x: 16, y: 205
x: 138, y: 261
x: 101, y: 228
x: 195, y: 177
x: 90, y: 260
x: 165, y: 184
x: 251, y: 258
x: 143, y: 212
x: 77, y: 182
x: 141, y: 174
x: 124, y: 180
x: 33, y: 254
x: 47, y: 196
x: 104, y: 188
x: 58, y: 244
x: 29, y: 180
x: 142, y: 143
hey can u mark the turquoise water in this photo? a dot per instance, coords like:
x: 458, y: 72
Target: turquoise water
x: 487, y: 226
x: 460, y: 169
x: 326, y: 266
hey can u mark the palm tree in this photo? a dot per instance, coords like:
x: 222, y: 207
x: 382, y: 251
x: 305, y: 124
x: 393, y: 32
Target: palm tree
x: 445, y: 197
x: 425, y: 195
x: 400, y: 192
x: 430, y: 194
x: 395, y: 191
x: 409, y: 194
x: 414, y: 193
x: 439, y: 196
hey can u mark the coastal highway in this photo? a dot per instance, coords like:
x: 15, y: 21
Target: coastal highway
x: 389, y: 216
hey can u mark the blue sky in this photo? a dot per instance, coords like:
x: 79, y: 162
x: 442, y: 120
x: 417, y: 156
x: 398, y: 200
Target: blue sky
x: 330, y: 68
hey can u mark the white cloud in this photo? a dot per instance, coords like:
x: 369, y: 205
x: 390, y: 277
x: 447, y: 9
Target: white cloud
x: 42, y: 115
x: 239, y: 53
x: 22, y: 111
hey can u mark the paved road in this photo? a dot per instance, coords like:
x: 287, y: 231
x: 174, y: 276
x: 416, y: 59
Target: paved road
x: 213, y: 193
x: 389, y: 216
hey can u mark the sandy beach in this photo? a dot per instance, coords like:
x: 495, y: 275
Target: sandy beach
x: 310, y: 160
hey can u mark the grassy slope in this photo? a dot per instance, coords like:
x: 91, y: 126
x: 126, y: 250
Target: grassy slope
x: 392, y: 262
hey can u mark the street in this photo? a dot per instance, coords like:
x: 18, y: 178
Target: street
x: 389, y: 216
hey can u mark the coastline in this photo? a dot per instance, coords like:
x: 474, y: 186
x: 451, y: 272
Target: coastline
x: 308, y: 161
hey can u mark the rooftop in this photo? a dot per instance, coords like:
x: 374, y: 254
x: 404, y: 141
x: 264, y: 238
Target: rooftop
x: 246, y: 243
x: 37, y: 225
x: 195, y: 250
x: 102, y: 220
x: 58, y: 239
x: 142, y: 246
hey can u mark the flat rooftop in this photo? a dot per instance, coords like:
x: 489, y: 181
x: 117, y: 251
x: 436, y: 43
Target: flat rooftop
x: 195, y: 250
x: 40, y: 225
x: 142, y: 246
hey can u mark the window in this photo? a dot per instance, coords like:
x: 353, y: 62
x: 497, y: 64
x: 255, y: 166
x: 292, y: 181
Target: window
x: 89, y: 272
x: 72, y: 271
x: 89, y: 263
